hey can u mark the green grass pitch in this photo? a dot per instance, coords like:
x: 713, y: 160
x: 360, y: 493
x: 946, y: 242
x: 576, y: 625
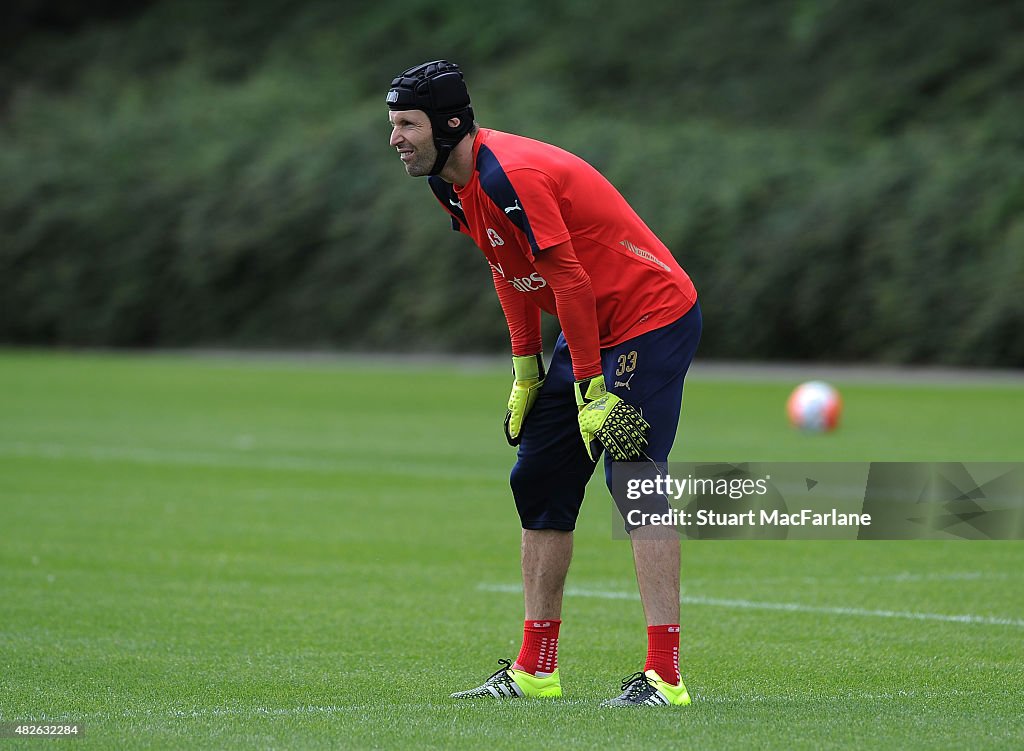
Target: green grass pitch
x: 245, y: 553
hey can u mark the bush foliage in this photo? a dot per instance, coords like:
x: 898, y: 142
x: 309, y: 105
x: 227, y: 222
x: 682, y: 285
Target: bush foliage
x: 842, y: 180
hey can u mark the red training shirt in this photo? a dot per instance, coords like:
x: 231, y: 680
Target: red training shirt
x: 560, y: 238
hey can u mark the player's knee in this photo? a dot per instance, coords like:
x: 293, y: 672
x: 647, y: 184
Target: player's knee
x: 527, y: 485
x: 545, y: 499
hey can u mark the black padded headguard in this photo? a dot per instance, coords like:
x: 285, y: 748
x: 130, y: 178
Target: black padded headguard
x: 438, y: 89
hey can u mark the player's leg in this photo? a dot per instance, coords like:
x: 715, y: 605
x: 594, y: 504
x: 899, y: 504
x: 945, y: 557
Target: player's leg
x: 656, y: 547
x: 656, y: 556
x: 546, y: 554
x: 548, y: 483
x: 653, y: 369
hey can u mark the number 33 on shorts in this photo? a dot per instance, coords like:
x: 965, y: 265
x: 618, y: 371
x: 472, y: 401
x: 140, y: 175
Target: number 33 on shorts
x: 626, y: 363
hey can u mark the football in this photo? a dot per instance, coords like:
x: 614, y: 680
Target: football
x: 814, y: 406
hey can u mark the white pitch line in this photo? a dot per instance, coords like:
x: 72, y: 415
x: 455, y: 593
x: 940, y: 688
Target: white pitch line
x: 199, y: 712
x: 789, y: 607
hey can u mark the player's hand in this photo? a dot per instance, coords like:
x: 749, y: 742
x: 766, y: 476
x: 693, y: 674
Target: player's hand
x: 606, y: 420
x: 529, y: 377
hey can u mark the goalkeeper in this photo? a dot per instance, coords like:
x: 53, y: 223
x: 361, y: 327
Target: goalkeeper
x: 559, y: 238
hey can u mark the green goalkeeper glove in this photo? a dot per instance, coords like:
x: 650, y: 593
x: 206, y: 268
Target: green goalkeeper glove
x: 529, y: 377
x: 606, y: 420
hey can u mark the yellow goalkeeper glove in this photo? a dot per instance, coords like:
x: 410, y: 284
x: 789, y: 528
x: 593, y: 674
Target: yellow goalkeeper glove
x: 606, y: 420
x: 529, y: 377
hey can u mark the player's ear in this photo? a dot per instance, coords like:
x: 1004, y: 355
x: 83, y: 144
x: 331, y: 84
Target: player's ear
x: 454, y: 122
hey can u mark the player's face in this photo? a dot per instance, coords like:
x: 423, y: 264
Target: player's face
x: 413, y: 137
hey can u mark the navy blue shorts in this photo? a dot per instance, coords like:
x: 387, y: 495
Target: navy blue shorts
x: 551, y: 474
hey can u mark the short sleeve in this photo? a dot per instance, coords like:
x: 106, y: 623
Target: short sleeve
x: 528, y: 198
x: 539, y: 204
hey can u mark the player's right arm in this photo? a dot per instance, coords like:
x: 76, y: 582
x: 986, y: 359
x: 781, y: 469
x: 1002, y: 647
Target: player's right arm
x: 523, y: 318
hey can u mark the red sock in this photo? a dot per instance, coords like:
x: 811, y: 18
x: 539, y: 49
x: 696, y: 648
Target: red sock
x: 539, y: 653
x: 663, y: 652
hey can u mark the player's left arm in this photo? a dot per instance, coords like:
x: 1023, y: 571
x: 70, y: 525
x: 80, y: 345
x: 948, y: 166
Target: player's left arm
x: 576, y: 305
x: 605, y: 420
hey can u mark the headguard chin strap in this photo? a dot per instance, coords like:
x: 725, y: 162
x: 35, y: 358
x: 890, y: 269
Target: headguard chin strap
x: 439, y: 90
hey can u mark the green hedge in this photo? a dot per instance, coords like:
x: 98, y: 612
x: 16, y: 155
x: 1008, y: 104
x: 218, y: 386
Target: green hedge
x: 842, y: 180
